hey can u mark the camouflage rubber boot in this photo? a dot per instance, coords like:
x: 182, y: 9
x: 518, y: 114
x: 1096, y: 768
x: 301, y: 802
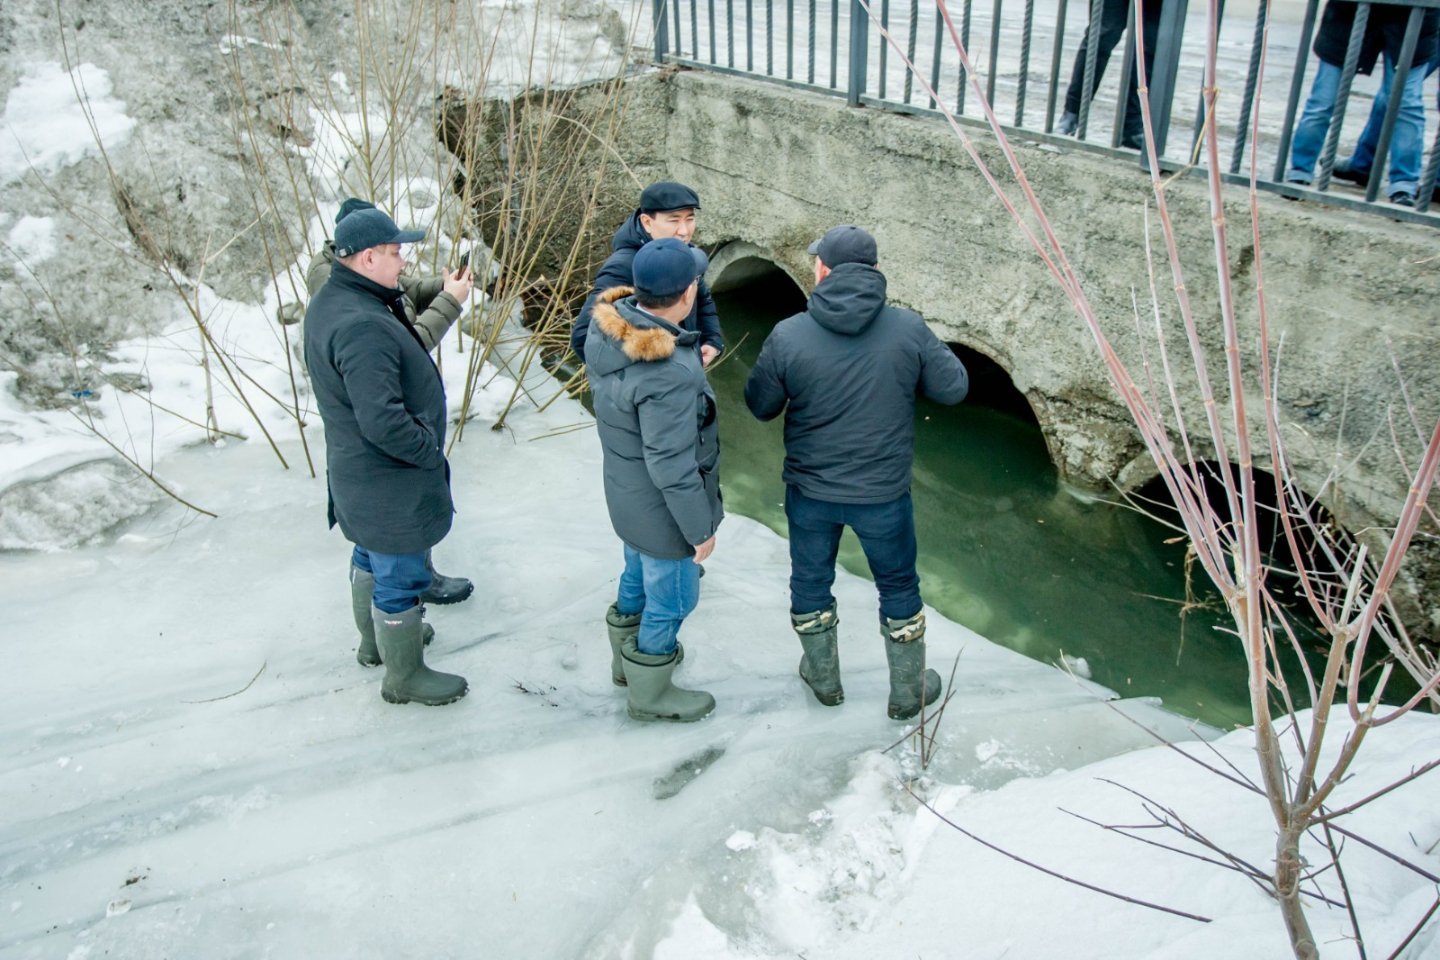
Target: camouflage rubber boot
x: 820, y: 663
x: 407, y: 679
x: 905, y: 650
x: 362, y: 593
x: 622, y: 625
x: 651, y: 695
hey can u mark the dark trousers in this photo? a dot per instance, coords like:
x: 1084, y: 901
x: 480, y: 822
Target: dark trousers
x: 1113, y: 22
x: 887, y: 535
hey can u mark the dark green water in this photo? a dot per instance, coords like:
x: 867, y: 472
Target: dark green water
x: 1004, y: 548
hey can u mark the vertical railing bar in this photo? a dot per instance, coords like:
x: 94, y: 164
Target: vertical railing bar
x: 859, y: 51
x: 1127, y: 70
x: 910, y: 44
x: 1166, y: 64
x: 1297, y: 83
x: 714, y: 57
x: 834, y: 43
x: 884, y: 46
x: 811, y: 76
x: 1087, y: 78
x: 1397, y: 95
x: 935, y: 60
x: 1252, y: 78
x: 769, y: 38
x: 1428, y: 178
x: 992, y: 68
x: 789, y: 39
x: 1321, y: 180
x: 965, y: 19
x: 730, y: 33
x: 659, y: 21
x: 1024, y: 81
x: 679, y: 44
x: 1056, y: 62
x: 750, y: 36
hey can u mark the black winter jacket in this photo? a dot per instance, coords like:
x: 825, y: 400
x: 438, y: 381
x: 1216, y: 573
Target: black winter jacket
x: 383, y: 404
x: 616, y: 271
x: 1384, y: 32
x: 846, y: 373
x: 655, y: 413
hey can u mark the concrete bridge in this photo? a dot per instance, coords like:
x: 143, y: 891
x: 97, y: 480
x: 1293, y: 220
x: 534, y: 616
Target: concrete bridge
x: 1353, y: 299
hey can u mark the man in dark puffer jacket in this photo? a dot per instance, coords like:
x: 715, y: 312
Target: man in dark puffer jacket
x: 655, y: 413
x: 845, y: 372
x: 667, y: 209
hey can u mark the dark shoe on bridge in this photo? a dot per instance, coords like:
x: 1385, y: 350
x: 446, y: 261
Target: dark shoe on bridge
x: 1343, y: 171
x: 1068, y: 123
x: 1402, y: 198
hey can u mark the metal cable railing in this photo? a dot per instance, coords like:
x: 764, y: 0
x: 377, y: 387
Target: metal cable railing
x: 1098, y: 106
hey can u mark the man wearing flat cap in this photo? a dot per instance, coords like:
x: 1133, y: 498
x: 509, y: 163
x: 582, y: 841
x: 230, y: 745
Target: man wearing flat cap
x: 845, y: 373
x: 667, y: 209
x: 655, y: 413
x: 383, y: 404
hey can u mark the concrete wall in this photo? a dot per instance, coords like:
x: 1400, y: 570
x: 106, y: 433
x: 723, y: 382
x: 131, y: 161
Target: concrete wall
x: 1350, y: 296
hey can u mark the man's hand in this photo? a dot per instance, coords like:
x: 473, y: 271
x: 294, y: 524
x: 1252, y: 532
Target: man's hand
x: 703, y: 550
x: 708, y: 353
x: 458, y: 283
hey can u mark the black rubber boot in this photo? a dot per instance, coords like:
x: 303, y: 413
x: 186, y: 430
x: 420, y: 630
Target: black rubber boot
x: 445, y: 590
x: 651, y: 695
x: 362, y: 594
x: 820, y: 664
x: 909, y: 680
x: 407, y: 679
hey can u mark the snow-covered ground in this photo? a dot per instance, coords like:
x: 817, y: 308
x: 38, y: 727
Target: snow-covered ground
x: 193, y: 765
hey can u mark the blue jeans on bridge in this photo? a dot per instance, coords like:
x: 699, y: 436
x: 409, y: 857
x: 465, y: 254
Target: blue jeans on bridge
x: 887, y: 535
x: 1407, y: 141
x: 664, y: 592
x: 1363, y: 158
x: 400, y: 578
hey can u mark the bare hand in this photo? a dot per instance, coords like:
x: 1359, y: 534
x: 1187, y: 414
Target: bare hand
x: 458, y: 283
x: 708, y: 353
x: 703, y: 550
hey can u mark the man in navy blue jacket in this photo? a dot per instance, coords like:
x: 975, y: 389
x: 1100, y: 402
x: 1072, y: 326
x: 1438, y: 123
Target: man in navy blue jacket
x: 845, y: 372
x: 383, y: 404
x: 667, y: 209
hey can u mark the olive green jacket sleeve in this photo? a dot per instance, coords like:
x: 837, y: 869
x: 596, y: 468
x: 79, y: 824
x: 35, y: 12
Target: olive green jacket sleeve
x: 431, y: 309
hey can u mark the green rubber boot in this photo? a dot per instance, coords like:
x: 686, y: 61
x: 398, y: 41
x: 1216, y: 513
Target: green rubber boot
x: 622, y: 625
x: 651, y: 694
x: 905, y: 650
x: 407, y: 679
x: 820, y: 664
x: 362, y: 591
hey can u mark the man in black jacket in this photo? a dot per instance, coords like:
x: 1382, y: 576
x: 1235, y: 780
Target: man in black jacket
x: 845, y: 372
x: 655, y: 413
x: 383, y: 404
x: 667, y: 209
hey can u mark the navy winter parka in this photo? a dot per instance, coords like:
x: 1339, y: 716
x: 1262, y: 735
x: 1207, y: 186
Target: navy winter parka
x: 656, y: 415
x: 616, y: 271
x: 383, y: 404
x: 846, y: 373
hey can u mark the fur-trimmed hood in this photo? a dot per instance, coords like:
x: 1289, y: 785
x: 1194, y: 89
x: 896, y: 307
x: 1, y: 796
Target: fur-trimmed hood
x: 632, y: 335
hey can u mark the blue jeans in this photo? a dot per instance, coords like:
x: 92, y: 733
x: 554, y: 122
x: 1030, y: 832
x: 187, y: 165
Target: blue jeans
x: 1406, y: 145
x: 664, y: 592
x: 400, y: 578
x: 1409, y: 133
x: 887, y: 535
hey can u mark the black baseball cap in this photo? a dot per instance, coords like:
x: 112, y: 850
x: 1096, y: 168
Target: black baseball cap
x: 663, y: 268
x: 364, y: 229
x: 846, y: 243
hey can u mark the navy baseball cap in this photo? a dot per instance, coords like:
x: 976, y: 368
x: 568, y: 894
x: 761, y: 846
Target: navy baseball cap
x: 352, y: 204
x: 364, y: 229
x: 668, y: 195
x: 846, y: 243
x: 663, y: 268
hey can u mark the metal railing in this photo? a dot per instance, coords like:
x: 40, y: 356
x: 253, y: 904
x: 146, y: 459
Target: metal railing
x: 1030, y: 54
